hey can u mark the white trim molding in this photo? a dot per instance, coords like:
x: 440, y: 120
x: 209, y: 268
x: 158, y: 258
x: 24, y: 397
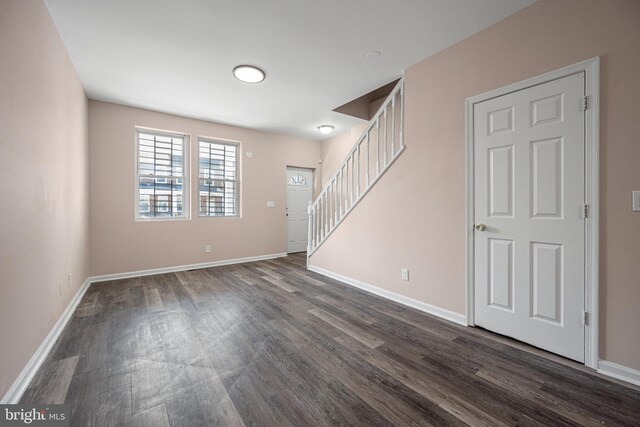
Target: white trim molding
x: 152, y: 271
x: 620, y: 372
x: 401, y: 299
x: 591, y: 68
x: 21, y: 383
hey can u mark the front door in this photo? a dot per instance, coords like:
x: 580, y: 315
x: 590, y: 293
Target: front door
x: 529, y: 191
x: 299, y: 185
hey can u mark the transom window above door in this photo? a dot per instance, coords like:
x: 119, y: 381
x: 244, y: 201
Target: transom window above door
x: 298, y: 180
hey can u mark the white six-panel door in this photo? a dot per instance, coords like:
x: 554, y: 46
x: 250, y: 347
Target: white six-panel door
x: 299, y: 193
x: 529, y: 250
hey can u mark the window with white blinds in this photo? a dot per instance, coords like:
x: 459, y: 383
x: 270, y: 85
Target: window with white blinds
x: 218, y: 176
x: 161, y: 175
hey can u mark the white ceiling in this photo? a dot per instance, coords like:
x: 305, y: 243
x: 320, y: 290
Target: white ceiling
x: 177, y: 56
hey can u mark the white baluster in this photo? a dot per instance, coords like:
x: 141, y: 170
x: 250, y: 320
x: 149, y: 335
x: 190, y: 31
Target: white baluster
x: 309, y: 228
x: 368, y: 148
x: 386, y: 131
x: 393, y: 125
x: 378, y: 147
x: 336, y: 200
x: 402, y: 116
x: 315, y: 226
x: 322, y: 217
x: 320, y: 220
x: 330, y: 205
x: 358, y: 171
x: 353, y: 180
x: 346, y: 186
x: 326, y: 213
x: 341, y: 192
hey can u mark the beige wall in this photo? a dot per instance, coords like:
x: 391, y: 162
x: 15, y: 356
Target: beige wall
x: 43, y: 182
x: 121, y: 244
x: 414, y: 218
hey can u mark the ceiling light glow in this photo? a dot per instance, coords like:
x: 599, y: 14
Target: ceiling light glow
x: 248, y: 74
x: 325, y: 129
x: 373, y: 54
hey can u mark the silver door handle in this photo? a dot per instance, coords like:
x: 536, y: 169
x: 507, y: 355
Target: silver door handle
x: 481, y: 227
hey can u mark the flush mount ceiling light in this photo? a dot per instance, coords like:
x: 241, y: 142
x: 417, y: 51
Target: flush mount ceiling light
x: 373, y: 54
x: 325, y: 129
x: 248, y: 74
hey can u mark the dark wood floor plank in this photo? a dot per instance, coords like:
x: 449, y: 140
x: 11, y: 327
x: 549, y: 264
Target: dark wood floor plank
x: 350, y: 329
x: 468, y: 413
x: 87, y: 306
x: 403, y: 374
x: 151, y: 385
x: 217, y: 407
x: 270, y: 343
x: 280, y: 283
x: 530, y: 391
x: 156, y: 416
x: 347, y: 308
x: 153, y: 299
x: 380, y: 391
x: 53, y: 385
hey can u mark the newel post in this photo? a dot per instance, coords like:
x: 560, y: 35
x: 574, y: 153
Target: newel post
x: 310, y: 227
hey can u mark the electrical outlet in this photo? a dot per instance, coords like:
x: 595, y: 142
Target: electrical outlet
x: 404, y: 272
x: 69, y: 281
x: 271, y: 204
x: 60, y: 288
x: 635, y: 205
x: 207, y: 249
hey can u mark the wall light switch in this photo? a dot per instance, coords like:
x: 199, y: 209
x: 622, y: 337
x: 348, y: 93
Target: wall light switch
x: 271, y: 204
x: 635, y: 206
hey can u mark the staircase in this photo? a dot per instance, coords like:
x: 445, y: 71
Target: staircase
x: 373, y: 153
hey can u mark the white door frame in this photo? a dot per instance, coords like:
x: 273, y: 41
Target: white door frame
x: 312, y: 187
x: 591, y: 68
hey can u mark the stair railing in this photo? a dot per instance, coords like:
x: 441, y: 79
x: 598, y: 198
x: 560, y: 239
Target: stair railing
x: 371, y: 156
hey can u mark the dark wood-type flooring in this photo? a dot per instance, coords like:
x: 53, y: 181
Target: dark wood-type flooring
x: 269, y: 343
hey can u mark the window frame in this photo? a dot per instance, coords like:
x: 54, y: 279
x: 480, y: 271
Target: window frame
x: 148, y: 199
x: 186, y: 213
x: 237, y: 180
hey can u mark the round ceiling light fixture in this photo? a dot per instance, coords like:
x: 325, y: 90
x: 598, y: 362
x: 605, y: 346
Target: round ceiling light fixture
x: 325, y: 129
x: 373, y: 54
x: 248, y: 74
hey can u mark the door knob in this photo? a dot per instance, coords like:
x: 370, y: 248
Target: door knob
x: 481, y: 227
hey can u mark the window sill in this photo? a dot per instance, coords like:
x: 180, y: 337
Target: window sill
x: 161, y: 219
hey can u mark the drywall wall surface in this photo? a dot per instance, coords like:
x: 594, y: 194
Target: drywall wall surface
x: 414, y: 217
x: 121, y: 244
x: 44, y: 232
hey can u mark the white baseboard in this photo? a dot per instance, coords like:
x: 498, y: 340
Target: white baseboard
x: 22, y: 382
x: 620, y: 372
x: 419, y: 305
x: 150, y: 272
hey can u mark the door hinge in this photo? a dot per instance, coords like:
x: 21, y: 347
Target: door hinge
x: 584, y: 211
x: 585, y: 318
x: 584, y: 103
